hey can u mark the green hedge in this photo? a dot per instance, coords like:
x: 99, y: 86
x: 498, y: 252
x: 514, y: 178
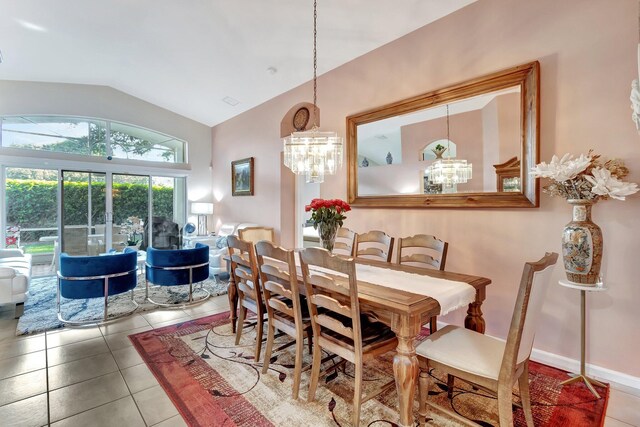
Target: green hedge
x: 32, y: 203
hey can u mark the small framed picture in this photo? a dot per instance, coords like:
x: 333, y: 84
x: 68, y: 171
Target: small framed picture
x: 242, y: 177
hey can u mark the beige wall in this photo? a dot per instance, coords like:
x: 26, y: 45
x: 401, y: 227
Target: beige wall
x: 17, y: 97
x: 587, y: 52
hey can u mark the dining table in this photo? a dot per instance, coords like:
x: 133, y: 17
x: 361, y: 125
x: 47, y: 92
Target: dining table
x: 405, y: 313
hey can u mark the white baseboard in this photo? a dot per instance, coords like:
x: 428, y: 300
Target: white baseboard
x: 618, y: 380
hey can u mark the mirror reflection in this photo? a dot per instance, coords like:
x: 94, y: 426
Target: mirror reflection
x: 423, y: 152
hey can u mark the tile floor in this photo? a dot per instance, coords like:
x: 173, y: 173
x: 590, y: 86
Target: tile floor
x: 96, y: 378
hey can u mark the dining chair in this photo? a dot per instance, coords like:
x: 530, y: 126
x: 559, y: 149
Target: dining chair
x: 338, y: 326
x: 345, y: 242
x: 285, y: 310
x: 245, y: 272
x: 488, y: 362
x: 424, y: 251
x: 375, y: 245
x: 255, y: 234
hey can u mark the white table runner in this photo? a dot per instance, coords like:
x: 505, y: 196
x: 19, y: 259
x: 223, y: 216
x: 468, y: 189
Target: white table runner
x: 450, y: 294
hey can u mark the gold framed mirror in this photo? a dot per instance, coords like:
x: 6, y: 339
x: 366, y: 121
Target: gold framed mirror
x: 396, y: 154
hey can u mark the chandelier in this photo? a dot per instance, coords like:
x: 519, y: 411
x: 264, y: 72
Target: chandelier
x: 313, y: 153
x: 449, y: 172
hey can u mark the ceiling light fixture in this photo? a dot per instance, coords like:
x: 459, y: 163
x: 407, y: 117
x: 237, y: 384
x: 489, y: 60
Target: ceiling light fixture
x: 450, y: 172
x: 312, y: 152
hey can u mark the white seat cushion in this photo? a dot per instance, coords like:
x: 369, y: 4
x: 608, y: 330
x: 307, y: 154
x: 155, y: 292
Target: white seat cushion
x: 465, y: 350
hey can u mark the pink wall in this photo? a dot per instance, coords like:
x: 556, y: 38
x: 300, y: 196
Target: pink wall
x: 587, y: 52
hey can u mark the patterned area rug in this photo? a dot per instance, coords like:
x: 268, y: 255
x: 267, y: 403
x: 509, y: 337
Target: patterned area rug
x: 213, y: 382
x: 40, y: 312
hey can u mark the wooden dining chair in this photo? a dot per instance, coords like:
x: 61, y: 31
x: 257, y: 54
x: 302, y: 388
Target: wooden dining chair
x: 424, y: 251
x: 245, y: 272
x: 374, y: 245
x: 487, y: 362
x: 255, y: 234
x: 337, y: 324
x: 285, y: 311
x: 345, y: 242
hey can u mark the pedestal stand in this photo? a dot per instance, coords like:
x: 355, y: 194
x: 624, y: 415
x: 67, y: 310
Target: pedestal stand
x: 583, y: 303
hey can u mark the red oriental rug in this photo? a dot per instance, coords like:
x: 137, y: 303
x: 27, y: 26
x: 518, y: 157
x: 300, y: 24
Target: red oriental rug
x: 213, y: 382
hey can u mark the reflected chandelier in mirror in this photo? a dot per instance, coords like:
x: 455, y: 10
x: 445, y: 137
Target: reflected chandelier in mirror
x: 493, y: 120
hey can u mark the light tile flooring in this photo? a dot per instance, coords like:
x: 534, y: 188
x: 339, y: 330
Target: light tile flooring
x: 96, y: 377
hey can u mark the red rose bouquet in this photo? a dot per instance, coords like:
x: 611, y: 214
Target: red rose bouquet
x: 327, y: 216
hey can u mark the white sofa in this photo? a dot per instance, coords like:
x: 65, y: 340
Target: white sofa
x: 15, y: 273
x: 216, y: 264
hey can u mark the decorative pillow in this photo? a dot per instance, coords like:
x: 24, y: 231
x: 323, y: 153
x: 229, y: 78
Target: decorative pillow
x: 221, y: 242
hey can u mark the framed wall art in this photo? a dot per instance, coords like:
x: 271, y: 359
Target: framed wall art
x: 242, y: 177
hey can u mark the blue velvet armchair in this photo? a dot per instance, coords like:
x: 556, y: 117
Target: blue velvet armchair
x: 178, y: 267
x: 83, y: 277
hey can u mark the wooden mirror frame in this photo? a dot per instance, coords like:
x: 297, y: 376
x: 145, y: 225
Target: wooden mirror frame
x: 526, y: 76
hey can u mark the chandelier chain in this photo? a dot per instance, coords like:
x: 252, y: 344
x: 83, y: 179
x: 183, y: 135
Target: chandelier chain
x: 315, y: 60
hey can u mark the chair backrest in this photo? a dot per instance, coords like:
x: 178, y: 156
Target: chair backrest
x: 162, y: 265
x: 279, y: 279
x: 335, y: 296
x: 255, y: 234
x: 345, y: 242
x: 244, y: 268
x: 97, y: 266
x: 433, y: 252
x: 534, y: 283
x: 374, y: 245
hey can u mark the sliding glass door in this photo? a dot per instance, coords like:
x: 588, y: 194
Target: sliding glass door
x: 84, y: 218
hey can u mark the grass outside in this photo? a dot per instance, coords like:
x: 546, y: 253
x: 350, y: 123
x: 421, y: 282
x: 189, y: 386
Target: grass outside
x: 38, y: 248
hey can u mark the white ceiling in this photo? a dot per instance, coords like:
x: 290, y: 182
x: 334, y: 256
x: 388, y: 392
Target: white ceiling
x: 187, y: 55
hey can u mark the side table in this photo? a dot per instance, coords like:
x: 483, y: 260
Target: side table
x: 583, y: 297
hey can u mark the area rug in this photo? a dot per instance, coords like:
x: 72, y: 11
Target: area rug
x: 40, y: 313
x: 213, y: 382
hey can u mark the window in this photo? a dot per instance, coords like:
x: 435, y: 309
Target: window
x: 90, y: 137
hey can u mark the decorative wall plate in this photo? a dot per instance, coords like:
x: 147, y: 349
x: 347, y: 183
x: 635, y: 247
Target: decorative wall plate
x: 301, y: 118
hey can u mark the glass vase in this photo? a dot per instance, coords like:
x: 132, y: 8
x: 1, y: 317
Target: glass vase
x: 582, y: 245
x: 327, y: 234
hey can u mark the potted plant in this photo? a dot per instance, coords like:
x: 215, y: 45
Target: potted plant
x: 583, y: 181
x: 327, y: 216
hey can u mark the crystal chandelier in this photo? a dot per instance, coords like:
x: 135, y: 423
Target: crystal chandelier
x: 312, y: 152
x: 450, y: 172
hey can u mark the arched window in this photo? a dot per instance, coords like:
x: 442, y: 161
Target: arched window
x: 90, y: 137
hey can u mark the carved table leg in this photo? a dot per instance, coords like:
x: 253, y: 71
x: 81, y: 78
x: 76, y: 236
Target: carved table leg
x: 405, y: 365
x: 233, y: 303
x: 474, y: 319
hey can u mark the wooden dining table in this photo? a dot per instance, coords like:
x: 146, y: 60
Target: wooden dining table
x: 405, y: 313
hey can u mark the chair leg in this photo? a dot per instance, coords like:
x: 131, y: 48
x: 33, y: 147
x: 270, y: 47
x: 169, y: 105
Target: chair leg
x: 525, y: 396
x: 423, y: 393
x: 260, y: 329
x: 269, y: 349
x: 315, y: 371
x: 357, y: 396
x: 243, y: 313
x: 433, y: 324
x: 310, y: 340
x: 505, y: 410
x: 297, y: 372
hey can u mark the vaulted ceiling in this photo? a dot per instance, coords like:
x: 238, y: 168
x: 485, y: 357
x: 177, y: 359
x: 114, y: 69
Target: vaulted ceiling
x: 188, y: 55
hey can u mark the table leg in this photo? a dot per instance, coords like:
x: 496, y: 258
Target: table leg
x: 405, y: 365
x: 474, y: 319
x: 232, y: 292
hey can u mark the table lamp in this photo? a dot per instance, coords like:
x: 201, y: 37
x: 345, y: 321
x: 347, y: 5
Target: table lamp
x: 202, y: 209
